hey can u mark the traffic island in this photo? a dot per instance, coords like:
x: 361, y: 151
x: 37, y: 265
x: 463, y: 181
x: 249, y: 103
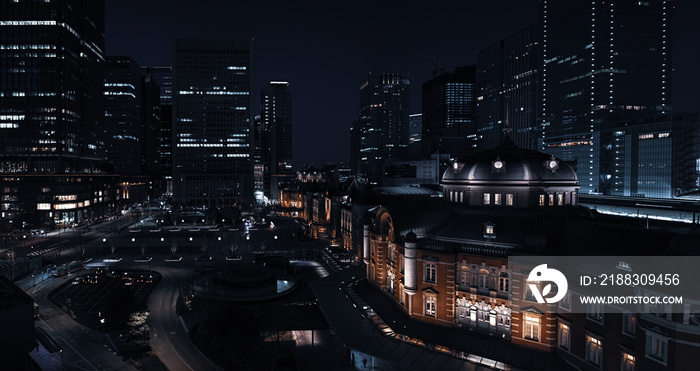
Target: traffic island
x: 113, y: 302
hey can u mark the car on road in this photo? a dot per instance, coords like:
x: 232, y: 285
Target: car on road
x: 173, y: 258
x: 77, y: 280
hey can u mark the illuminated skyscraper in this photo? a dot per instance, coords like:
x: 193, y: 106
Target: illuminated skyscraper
x: 381, y: 130
x: 51, y: 108
x: 449, y: 113
x: 51, y: 75
x: 506, y: 81
x: 163, y: 76
x: 601, y: 61
x: 276, y: 124
x: 212, y: 128
x: 123, y: 114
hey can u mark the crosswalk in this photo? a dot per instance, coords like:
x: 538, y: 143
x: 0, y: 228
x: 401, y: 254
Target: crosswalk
x: 50, y: 249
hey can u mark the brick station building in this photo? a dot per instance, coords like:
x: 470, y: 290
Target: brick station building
x: 444, y: 261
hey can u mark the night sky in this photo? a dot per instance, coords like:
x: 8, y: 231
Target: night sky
x: 324, y: 49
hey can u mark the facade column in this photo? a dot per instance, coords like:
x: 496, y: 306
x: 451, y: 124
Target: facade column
x: 365, y: 243
x: 410, y: 268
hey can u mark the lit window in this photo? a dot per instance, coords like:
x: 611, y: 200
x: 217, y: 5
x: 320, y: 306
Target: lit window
x: 497, y: 199
x: 43, y: 206
x: 489, y: 230
x: 564, y: 336
x: 541, y: 200
x: 594, y: 351
x: 509, y: 199
x: 487, y: 199
x: 627, y: 362
x: 551, y: 199
x: 560, y: 199
x: 531, y: 329
x: 430, y: 301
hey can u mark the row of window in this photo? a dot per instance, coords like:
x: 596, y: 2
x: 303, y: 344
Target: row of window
x: 656, y: 347
x: 497, y: 199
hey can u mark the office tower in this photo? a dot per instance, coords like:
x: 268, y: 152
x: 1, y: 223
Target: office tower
x: 163, y: 76
x: 601, y: 61
x: 51, y: 106
x: 52, y: 62
x: 276, y: 122
x: 653, y: 156
x: 258, y: 165
x: 415, y: 127
x: 122, y: 121
x: 382, y: 127
x: 449, y: 113
x: 150, y: 126
x: 212, y: 128
x: 506, y: 82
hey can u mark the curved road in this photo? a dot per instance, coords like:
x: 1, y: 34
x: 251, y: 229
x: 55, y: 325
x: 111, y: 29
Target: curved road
x: 169, y: 337
x: 83, y: 347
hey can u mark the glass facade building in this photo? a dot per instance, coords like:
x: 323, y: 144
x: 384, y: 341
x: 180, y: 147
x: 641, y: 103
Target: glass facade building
x: 276, y: 125
x: 381, y: 131
x: 122, y: 93
x: 51, y: 110
x: 51, y: 72
x: 654, y: 156
x: 163, y: 76
x: 601, y: 61
x: 150, y: 126
x: 506, y: 82
x: 449, y: 113
x: 212, y: 128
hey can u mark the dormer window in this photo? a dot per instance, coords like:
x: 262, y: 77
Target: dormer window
x: 489, y: 230
x: 509, y: 199
x: 552, y: 164
x: 498, y: 165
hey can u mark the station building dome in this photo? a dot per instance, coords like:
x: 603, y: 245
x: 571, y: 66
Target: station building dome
x: 510, y: 176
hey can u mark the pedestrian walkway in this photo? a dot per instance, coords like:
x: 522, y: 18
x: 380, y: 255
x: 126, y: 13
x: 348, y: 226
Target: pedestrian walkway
x: 352, y: 327
x: 47, y: 361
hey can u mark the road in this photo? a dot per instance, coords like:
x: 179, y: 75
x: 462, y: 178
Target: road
x: 83, y: 348
x: 169, y: 337
x: 87, y: 349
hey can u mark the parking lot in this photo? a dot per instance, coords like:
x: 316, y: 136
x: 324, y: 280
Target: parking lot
x: 85, y: 296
